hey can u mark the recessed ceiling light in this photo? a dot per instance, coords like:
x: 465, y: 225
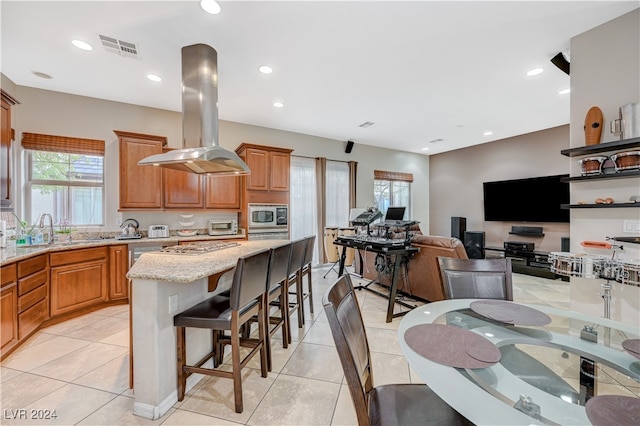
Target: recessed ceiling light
x: 265, y: 69
x: 41, y: 75
x: 488, y: 133
x: 82, y: 45
x: 425, y: 149
x: 534, y: 71
x: 278, y: 104
x: 154, y: 77
x: 564, y: 92
x: 210, y: 6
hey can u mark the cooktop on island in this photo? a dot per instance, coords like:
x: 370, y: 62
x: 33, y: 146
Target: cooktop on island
x: 198, y: 248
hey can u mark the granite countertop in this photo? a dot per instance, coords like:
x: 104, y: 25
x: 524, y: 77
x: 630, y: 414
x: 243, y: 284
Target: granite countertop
x: 11, y: 253
x: 185, y: 268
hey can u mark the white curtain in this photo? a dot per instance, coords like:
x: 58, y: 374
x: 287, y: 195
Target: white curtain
x: 303, y: 208
x: 337, y: 194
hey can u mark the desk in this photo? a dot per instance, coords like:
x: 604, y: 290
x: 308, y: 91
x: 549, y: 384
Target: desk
x: 398, y: 252
x: 487, y: 395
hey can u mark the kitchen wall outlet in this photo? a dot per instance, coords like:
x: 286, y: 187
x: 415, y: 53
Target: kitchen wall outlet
x: 173, y: 303
x: 118, y: 221
x: 631, y: 226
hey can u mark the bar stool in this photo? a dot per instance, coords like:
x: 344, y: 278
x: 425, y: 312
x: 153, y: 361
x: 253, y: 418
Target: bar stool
x: 306, y: 270
x: 298, y: 248
x: 220, y: 314
x: 277, y: 295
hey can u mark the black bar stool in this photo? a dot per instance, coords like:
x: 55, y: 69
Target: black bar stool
x: 220, y: 313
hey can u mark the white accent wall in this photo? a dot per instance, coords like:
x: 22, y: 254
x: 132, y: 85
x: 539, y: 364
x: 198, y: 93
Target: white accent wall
x: 605, y: 72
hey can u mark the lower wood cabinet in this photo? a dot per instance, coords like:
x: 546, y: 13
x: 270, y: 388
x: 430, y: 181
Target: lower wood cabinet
x: 118, y: 268
x: 8, y: 308
x: 79, y: 279
x: 33, y: 294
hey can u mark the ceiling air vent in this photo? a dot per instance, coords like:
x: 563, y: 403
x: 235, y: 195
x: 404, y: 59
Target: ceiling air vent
x: 366, y: 124
x: 119, y: 47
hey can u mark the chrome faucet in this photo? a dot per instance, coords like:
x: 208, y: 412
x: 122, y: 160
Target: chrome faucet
x: 42, y: 217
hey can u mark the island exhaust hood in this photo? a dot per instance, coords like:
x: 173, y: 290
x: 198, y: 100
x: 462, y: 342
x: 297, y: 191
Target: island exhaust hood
x: 200, y: 151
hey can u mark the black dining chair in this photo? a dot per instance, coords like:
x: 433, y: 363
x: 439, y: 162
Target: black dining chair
x: 228, y: 314
x: 476, y: 278
x: 391, y: 404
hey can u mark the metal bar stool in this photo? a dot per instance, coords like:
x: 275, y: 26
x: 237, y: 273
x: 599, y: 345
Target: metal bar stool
x: 220, y: 314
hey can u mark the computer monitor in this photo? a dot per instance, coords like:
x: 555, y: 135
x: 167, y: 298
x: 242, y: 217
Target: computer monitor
x: 395, y: 213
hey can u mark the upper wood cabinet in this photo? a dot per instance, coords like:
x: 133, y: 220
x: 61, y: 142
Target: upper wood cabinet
x: 140, y: 186
x: 6, y: 138
x: 182, y: 190
x: 156, y: 188
x: 269, y: 167
x: 222, y: 192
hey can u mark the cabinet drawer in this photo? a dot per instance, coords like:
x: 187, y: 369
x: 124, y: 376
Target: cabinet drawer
x: 29, y: 266
x: 8, y: 274
x: 27, y: 284
x: 33, y: 297
x: 30, y: 319
x: 75, y: 256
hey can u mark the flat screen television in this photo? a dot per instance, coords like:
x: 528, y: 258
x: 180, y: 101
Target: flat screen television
x: 535, y: 199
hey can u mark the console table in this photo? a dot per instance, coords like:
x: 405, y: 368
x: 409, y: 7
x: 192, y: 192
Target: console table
x: 534, y: 263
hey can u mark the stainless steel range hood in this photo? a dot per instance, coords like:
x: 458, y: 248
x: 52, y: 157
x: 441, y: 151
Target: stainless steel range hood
x: 200, y: 151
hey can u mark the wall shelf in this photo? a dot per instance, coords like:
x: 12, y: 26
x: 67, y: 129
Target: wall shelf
x: 527, y: 234
x: 598, y: 206
x: 601, y: 147
x: 619, y: 175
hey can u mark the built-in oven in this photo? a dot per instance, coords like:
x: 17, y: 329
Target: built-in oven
x: 268, y: 221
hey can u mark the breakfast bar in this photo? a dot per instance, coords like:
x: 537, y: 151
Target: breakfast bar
x: 162, y: 285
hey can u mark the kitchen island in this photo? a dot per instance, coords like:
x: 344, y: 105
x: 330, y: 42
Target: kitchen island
x: 162, y: 285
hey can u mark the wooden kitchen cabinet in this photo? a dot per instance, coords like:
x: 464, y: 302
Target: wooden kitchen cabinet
x: 6, y: 138
x: 118, y: 268
x: 140, y: 186
x: 8, y: 308
x: 182, y: 190
x: 269, y: 167
x: 33, y: 294
x: 79, y: 278
x: 222, y: 192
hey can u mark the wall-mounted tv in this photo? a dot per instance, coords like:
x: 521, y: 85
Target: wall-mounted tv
x: 535, y: 199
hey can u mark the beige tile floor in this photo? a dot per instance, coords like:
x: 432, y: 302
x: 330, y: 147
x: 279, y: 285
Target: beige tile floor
x: 79, y: 369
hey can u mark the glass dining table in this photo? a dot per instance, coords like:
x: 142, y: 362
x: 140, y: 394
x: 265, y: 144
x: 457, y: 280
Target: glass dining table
x: 499, y: 362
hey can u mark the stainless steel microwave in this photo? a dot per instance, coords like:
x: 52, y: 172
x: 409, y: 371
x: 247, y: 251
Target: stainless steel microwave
x: 268, y: 216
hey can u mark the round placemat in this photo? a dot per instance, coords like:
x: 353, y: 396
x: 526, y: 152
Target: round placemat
x: 607, y: 410
x: 632, y: 346
x: 452, y: 346
x: 509, y: 312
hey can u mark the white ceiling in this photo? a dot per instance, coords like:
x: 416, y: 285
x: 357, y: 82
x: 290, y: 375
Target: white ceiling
x: 420, y: 70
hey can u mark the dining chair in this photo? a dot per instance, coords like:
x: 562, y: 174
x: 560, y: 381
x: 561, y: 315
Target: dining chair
x: 298, y: 248
x: 476, y: 278
x: 390, y: 404
x: 493, y: 279
x: 221, y: 313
